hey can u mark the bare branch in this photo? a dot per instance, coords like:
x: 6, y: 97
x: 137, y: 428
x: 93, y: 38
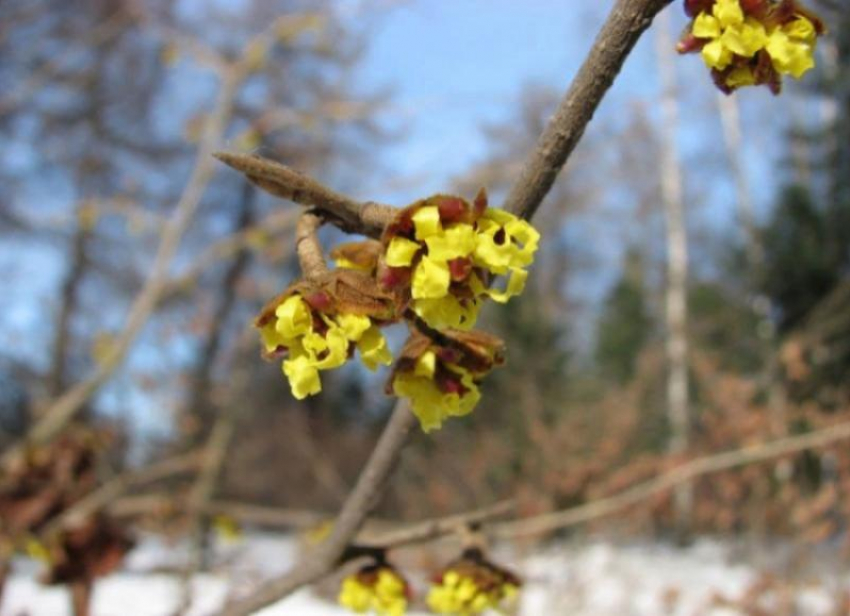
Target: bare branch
x: 308, y: 247
x: 687, y: 472
x: 286, y: 183
x: 624, y: 26
x: 260, y: 515
x: 436, y: 528
x: 105, y: 494
x: 69, y: 404
x: 278, y: 222
x: 359, y: 503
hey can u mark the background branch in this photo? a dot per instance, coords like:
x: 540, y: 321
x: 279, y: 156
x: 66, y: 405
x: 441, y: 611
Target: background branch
x: 697, y: 468
x: 68, y: 405
x: 111, y: 490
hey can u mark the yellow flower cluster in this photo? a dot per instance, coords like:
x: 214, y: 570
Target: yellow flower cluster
x: 441, y: 377
x: 461, y: 595
x: 434, y: 265
x: 315, y: 341
x: 753, y: 45
x: 451, y: 249
x: 381, y: 591
x: 433, y: 397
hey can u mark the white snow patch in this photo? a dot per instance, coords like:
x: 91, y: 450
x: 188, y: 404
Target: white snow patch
x: 597, y: 578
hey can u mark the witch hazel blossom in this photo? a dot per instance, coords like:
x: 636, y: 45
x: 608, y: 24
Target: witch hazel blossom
x: 441, y: 377
x: 437, y: 261
x: 313, y: 332
x: 752, y: 42
x: 378, y: 590
x: 473, y: 585
x: 447, y: 252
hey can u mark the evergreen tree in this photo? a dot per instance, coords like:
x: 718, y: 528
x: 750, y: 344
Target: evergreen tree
x: 625, y: 324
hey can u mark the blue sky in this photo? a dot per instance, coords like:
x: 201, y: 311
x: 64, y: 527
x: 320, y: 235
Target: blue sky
x: 455, y: 65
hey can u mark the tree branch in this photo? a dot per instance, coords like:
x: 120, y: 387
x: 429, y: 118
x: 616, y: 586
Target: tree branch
x: 687, y: 472
x: 111, y: 490
x: 247, y: 239
x: 68, y: 405
x: 434, y: 529
x: 363, y: 498
x: 284, y: 182
x: 308, y: 247
x: 628, y: 20
x: 624, y: 26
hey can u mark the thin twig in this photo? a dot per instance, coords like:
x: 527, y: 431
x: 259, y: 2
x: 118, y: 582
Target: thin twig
x: 272, y: 517
x: 357, y: 506
x: 687, y: 472
x: 278, y: 222
x: 282, y: 181
x: 111, y: 490
x: 308, y: 247
x: 69, y: 303
x: 66, y: 407
x: 434, y: 529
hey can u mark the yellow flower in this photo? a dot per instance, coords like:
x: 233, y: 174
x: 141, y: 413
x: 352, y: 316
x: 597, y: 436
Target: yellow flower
x: 737, y: 44
x: 730, y: 34
x: 450, y: 251
x: 373, y: 349
x: 381, y: 591
x: 401, y: 251
x: 792, y: 46
x: 227, y: 528
x: 315, y: 342
x: 441, y: 378
x: 741, y: 76
x: 449, y: 311
x: 431, y: 402
x: 358, y: 256
x: 471, y: 589
x: 431, y: 279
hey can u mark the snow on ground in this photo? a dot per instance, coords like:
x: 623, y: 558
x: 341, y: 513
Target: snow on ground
x: 596, y: 578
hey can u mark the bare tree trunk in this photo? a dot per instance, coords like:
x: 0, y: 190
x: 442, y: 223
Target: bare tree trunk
x: 197, y: 407
x: 676, y: 313
x: 730, y: 118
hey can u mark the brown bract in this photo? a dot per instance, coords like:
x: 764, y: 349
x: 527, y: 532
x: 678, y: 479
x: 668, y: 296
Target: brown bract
x: 338, y: 292
x: 475, y: 351
x: 488, y: 576
x: 362, y: 256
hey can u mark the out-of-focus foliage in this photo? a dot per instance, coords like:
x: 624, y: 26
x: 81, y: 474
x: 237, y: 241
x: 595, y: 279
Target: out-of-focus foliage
x: 625, y: 325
